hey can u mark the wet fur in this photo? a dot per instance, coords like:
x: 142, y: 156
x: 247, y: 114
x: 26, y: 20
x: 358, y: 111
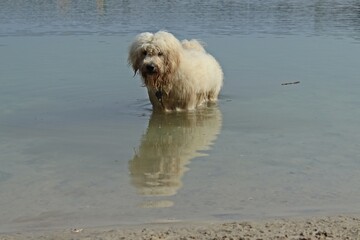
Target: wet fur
x: 182, y: 76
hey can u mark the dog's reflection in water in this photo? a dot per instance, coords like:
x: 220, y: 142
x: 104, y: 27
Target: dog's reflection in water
x: 169, y: 143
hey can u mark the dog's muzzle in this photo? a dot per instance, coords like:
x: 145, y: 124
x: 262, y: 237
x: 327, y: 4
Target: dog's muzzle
x: 150, y: 68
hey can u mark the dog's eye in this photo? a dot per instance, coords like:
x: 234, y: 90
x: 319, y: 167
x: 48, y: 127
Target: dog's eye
x: 160, y: 54
x: 144, y: 52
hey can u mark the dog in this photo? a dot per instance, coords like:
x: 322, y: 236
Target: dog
x: 178, y: 75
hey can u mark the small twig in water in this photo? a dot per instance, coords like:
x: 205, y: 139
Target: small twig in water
x: 289, y: 83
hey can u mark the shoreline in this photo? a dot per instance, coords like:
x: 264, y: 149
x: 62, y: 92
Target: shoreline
x: 300, y: 228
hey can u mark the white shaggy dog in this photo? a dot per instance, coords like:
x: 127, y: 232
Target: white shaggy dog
x: 178, y: 75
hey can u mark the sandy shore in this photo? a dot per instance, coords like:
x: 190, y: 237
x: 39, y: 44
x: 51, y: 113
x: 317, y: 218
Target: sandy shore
x: 339, y: 227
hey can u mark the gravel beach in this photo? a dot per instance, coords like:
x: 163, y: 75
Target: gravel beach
x: 334, y: 227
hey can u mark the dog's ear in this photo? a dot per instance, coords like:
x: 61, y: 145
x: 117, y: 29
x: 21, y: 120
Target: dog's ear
x: 172, y: 61
x: 133, y: 59
x: 135, y: 72
x: 172, y: 50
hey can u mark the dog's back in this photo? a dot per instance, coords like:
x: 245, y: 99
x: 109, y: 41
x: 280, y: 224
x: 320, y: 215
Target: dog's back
x: 192, y: 45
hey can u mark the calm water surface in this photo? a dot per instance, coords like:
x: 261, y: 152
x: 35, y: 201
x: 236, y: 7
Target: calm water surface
x: 80, y: 147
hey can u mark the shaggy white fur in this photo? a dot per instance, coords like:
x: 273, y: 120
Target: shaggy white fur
x: 178, y: 75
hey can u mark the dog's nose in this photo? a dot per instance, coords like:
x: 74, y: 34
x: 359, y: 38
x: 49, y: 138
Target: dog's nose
x: 150, y: 68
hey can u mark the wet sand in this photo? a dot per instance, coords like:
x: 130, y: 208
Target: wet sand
x: 334, y: 227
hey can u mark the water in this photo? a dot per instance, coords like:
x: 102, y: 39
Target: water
x: 80, y: 147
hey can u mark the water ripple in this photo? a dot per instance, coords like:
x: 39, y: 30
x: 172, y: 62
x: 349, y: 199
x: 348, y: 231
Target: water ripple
x: 340, y: 18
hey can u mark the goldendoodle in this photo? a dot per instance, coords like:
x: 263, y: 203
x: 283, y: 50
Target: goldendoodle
x: 178, y: 75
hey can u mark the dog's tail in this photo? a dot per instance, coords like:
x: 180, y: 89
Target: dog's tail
x: 193, y: 45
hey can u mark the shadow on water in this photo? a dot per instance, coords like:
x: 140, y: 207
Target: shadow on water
x: 170, y: 142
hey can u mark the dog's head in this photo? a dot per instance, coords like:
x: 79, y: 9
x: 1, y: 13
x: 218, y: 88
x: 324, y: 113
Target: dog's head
x: 155, y: 56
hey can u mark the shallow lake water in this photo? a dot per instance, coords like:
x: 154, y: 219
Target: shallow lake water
x: 80, y: 147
